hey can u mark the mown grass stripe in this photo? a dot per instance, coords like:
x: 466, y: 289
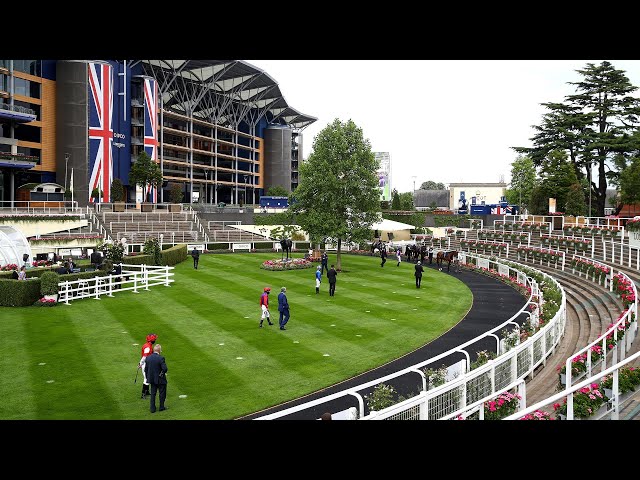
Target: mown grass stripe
x: 206, y: 307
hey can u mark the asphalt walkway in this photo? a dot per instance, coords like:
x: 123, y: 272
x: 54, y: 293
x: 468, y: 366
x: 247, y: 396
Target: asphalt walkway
x: 493, y: 303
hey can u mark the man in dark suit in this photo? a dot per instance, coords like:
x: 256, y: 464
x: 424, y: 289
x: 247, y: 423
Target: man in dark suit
x: 418, y: 274
x: 383, y: 254
x: 283, y: 308
x: 331, y: 275
x: 96, y: 259
x: 324, y: 261
x: 195, y: 253
x: 156, y: 372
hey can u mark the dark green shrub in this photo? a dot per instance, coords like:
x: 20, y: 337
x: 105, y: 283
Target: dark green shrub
x: 174, y: 255
x: 265, y: 245
x: 14, y: 293
x: 152, y: 248
x: 49, y: 283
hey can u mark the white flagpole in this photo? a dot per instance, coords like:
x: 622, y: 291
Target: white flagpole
x: 71, y: 185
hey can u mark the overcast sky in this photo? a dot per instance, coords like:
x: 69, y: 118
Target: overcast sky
x: 442, y: 120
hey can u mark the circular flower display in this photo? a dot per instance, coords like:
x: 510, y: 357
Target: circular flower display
x: 291, y: 264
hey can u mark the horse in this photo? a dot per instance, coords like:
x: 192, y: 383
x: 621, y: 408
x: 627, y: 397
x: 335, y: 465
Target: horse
x: 286, y: 244
x: 446, y: 256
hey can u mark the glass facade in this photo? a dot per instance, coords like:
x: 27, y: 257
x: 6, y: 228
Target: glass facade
x: 4, y: 82
x: 32, y: 67
x: 26, y: 88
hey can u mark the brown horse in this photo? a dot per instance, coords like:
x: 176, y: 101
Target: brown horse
x: 448, y: 257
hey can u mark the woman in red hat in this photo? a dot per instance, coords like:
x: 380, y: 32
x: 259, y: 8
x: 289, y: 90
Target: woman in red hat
x: 147, y: 349
x: 264, y: 306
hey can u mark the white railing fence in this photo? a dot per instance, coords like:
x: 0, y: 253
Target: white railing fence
x: 44, y: 207
x: 610, y: 408
x: 196, y: 219
x: 133, y: 278
x: 616, y: 331
x: 474, y: 386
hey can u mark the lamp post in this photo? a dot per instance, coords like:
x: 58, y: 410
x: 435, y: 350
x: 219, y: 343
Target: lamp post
x: 66, y: 164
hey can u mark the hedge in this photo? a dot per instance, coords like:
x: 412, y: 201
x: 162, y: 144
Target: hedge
x: 170, y: 256
x: 17, y: 293
x: 303, y: 245
x: 175, y: 255
x: 268, y: 245
x: 36, y: 272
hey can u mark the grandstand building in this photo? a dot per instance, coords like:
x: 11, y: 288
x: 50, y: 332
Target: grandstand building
x: 222, y: 129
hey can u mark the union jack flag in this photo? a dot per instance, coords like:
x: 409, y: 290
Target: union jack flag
x: 498, y: 210
x: 100, y: 128
x: 151, y: 128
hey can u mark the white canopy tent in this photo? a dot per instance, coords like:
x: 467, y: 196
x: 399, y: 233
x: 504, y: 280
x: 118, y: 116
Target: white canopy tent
x: 13, y: 245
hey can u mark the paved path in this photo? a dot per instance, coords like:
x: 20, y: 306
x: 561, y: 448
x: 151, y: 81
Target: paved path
x: 493, y: 303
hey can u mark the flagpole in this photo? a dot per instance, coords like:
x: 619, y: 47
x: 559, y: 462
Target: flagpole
x: 71, y: 184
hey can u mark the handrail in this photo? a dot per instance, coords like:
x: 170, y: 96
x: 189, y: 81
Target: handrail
x: 570, y: 390
x: 554, y: 326
x: 632, y: 309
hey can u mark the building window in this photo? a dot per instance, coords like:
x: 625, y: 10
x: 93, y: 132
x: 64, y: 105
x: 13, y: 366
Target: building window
x: 26, y: 88
x: 32, y: 67
x: 4, y: 83
x: 34, y: 152
x: 28, y: 133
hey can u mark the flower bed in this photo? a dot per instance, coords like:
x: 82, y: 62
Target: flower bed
x: 633, y: 225
x: 622, y: 286
x: 586, y: 402
x: 9, y: 267
x: 538, y: 415
x: 504, y: 405
x: 292, y: 264
x: 45, y: 302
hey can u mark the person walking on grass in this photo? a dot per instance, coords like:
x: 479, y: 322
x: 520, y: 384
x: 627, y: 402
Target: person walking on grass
x: 195, y: 253
x: 383, y: 254
x: 331, y: 275
x: 283, y: 308
x: 156, y: 372
x: 324, y: 261
x: 264, y: 306
x: 318, y: 279
x: 418, y: 273
x: 399, y: 256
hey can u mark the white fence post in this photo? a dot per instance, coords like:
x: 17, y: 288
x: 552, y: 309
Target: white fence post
x: 166, y: 274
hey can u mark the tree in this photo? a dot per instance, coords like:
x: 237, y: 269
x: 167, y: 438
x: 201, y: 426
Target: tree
x: 431, y: 185
x: 395, y: 200
x: 117, y: 190
x: 539, y: 201
x: 338, y: 194
x: 277, y: 191
x: 575, y: 204
x: 523, y: 179
x: 175, y: 193
x: 630, y: 183
x: 595, y: 126
x: 556, y: 177
x: 406, y: 201
x: 145, y: 172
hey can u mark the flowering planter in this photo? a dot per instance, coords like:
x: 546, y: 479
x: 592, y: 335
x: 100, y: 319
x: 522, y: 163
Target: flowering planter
x: 52, y: 297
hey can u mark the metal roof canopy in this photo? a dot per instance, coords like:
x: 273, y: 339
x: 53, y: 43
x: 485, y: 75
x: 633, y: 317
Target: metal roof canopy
x: 223, y: 91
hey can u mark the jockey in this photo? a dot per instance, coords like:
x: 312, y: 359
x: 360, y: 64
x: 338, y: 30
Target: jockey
x: 147, y: 349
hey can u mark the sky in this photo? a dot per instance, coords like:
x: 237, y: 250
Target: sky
x: 450, y: 121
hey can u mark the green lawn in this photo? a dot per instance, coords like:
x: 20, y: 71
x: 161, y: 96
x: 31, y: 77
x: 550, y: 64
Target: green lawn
x: 79, y: 361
